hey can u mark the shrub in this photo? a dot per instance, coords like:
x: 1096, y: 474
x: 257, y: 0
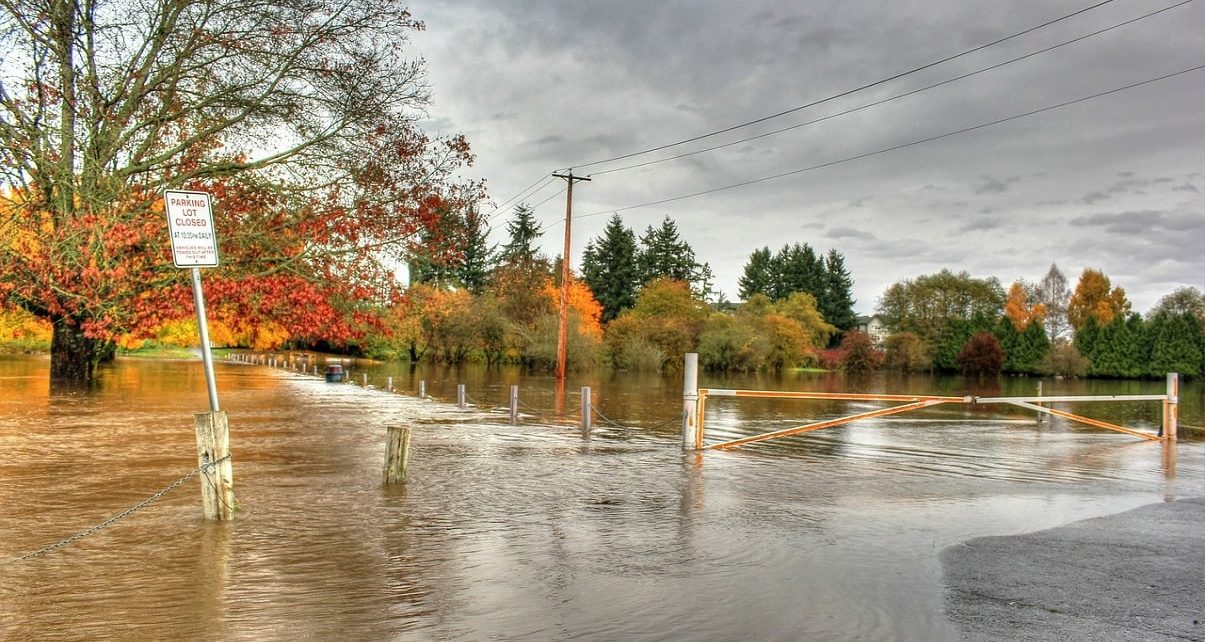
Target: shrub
x: 981, y: 355
x: 860, y: 354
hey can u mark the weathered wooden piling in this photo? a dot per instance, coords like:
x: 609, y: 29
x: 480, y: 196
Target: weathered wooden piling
x: 460, y: 395
x: 422, y: 388
x: 217, y: 480
x: 389, y: 384
x: 397, y: 454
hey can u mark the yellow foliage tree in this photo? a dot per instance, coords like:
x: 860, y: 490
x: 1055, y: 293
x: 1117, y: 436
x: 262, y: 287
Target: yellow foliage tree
x: 581, y: 301
x: 1093, y: 298
x: 1019, y: 310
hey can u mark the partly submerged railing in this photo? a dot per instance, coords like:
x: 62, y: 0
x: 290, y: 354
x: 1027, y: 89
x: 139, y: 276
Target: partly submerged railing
x: 695, y: 406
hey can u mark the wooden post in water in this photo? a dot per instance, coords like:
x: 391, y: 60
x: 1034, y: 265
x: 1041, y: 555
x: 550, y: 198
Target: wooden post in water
x: 460, y: 396
x: 690, y: 402
x: 514, y: 404
x: 217, y: 481
x: 422, y: 388
x: 1171, y: 407
x: 1040, y: 414
x: 389, y: 384
x: 397, y: 454
x: 586, y: 411
x: 365, y: 379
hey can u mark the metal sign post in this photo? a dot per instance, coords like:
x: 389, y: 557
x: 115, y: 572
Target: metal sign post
x: 195, y: 245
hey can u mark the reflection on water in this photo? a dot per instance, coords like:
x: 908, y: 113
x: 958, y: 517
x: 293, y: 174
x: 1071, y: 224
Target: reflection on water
x: 531, y: 531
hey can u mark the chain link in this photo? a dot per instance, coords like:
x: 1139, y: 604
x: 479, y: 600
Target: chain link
x: 116, y: 518
x: 616, y: 424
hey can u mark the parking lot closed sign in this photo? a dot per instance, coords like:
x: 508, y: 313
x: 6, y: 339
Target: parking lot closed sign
x: 190, y: 226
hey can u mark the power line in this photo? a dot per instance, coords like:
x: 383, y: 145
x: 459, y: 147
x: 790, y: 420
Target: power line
x: 902, y: 145
x: 546, y: 180
x: 849, y: 91
x: 895, y: 97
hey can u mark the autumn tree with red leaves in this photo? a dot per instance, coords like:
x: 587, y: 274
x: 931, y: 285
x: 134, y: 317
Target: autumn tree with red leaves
x: 298, y: 116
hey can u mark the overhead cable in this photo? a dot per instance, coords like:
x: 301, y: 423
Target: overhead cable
x: 895, y: 97
x: 849, y: 91
x: 893, y: 148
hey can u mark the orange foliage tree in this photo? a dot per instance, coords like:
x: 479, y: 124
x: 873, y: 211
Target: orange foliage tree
x: 300, y: 119
x: 1020, y: 308
x: 1093, y: 298
x: 585, y: 309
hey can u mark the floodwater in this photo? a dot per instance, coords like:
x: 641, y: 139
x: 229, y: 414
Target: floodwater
x: 530, y: 531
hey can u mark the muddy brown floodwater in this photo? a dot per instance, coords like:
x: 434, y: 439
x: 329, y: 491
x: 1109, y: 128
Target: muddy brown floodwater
x: 531, y: 532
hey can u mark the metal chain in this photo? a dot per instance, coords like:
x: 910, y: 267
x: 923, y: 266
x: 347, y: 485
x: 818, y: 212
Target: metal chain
x: 619, y: 425
x: 116, y: 518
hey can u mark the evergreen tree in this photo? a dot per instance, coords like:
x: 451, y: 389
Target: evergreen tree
x: 1119, y: 348
x: 1177, y: 342
x: 836, y: 297
x: 799, y: 270
x: 610, y: 269
x: 756, y: 278
x: 1088, y: 341
x: 524, y: 232
x: 436, y: 254
x: 663, y: 254
x: 1024, y: 350
x: 476, y: 261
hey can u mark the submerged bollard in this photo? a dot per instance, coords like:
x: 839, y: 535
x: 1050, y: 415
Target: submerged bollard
x: 586, y: 411
x: 1171, y: 407
x: 514, y: 404
x: 690, y: 402
x: 397, y: 454
x: 1040, y: 414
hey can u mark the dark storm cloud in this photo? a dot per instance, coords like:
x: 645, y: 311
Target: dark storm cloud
x: 843, y: 232
x: 540, y: 86
x: 992, y: 186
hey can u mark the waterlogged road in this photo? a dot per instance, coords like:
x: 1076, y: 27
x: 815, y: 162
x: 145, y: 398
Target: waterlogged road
x: 525, y: 532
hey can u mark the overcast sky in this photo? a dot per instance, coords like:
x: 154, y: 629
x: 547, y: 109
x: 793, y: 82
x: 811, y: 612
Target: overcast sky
x: 1115, y: 183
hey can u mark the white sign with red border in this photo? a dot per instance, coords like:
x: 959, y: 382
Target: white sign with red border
x: 190, y: 226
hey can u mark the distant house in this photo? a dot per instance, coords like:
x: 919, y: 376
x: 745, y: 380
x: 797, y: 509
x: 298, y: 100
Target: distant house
x: 873, y: 326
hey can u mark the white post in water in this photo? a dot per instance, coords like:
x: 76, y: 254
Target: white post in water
x: 690, y: 402
x: 586, y: 411
x: 1171, y: 407
x: 1039, y: 414
x: 460, y: 395
x: 514, y: 404
x: 389, y: 384
x: 422, y: 388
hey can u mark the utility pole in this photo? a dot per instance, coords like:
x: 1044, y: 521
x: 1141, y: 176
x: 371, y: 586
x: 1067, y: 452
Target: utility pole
x: 562, y: 335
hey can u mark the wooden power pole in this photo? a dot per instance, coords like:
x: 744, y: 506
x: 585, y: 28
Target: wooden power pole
x: 562, y: 335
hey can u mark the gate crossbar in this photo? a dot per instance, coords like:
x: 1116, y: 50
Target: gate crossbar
x: 835, y: 422
x: 1084, y: 420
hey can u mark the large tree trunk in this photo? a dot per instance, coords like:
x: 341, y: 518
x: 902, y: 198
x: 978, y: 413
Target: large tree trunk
x: 72, y: 355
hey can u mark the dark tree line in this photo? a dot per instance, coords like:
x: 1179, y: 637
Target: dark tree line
x: 616, y: 267
x: 797, y: 268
